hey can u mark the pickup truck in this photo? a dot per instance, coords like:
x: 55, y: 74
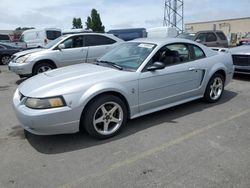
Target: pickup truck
x: 5, y: 38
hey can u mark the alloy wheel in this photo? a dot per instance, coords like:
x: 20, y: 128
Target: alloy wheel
x: 108, y: 118
x: 5, y: 60
x: 43, y: 69
x: 216, y: 88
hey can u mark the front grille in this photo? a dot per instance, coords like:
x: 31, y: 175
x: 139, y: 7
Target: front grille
x: 241, y: 60
x: 242, y: 70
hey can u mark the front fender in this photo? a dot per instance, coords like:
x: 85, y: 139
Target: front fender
x: 128, y: 91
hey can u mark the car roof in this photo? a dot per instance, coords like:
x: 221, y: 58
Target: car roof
x: 162, y: 41
x: 77, y: 34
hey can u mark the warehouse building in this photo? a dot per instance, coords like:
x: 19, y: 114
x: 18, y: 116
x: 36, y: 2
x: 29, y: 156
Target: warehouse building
x: 233, y: 28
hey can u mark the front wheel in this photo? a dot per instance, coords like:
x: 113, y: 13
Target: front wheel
x: 42, y: 67
x: 105, y: 116
x: 214, y: 88
x: 5, y: 59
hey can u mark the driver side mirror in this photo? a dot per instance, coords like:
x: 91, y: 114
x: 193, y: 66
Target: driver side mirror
x: 156, y: 66
x: 198, y: 40
x: 61, y: 46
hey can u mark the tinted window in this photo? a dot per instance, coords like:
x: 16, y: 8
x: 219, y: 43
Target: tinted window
x: 221, y: 36
x: 52, y: 35
x: 74, y: 42
x: 4, y: 37
x: 172, y: 54
x: 211, y: 37
x: 96, y: 40
x: 198, y: 53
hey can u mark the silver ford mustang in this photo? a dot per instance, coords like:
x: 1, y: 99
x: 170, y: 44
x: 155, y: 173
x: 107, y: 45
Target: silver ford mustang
x: 133, y: 79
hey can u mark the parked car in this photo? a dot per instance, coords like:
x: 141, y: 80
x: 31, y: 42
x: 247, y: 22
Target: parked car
x: 241, y: 58
x: 133, y: 79
x: 40, y: 37
x: 4, y: 38
x: 6, y: 51
x: 129, y: 34
x: 65, y: 50
x: 209, y: 38
x: 245, y: 40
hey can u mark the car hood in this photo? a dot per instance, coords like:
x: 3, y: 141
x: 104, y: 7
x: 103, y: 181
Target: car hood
x: 70, y: 79
x: 241, y: 50
x: 26, y: 52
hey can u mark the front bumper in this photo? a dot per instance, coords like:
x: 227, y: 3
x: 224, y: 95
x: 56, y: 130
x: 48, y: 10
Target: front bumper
x: 45, y: 122
x: 21, y: 68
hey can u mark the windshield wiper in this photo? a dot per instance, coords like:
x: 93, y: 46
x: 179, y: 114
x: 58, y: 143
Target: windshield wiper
x: 110, y: 63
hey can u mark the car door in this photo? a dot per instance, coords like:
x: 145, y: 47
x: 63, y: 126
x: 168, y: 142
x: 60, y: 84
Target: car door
x: 74, y: 51
x: 179, y: 80
x: 98, y: 46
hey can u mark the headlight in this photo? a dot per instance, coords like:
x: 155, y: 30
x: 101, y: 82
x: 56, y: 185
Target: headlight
x: 22, y: 59
x: 45, y: 103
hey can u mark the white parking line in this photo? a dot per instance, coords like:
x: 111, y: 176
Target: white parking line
x: 152, y: 151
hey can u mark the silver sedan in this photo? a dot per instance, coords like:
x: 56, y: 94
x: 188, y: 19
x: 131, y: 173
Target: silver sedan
x: 133, y: 79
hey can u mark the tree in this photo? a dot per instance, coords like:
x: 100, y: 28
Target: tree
x: 77, y: 23
x: 94, y: 22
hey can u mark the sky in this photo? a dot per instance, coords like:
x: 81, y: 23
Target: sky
x: 115, y: 14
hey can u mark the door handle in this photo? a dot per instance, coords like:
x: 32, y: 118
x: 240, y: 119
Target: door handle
x: 191, y: 69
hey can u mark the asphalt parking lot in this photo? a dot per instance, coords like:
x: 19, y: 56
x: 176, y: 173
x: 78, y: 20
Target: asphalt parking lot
x: 192, y: 145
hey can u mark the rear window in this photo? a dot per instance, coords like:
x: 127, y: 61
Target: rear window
x: 96, y: 40
x: 52, y: 35
x: 4, y: 37
x: 221, y: 36
x: 198, y: 53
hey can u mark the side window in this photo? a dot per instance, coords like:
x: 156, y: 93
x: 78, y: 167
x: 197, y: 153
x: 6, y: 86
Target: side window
x: 172, y: 54
x: 198, y: 53
x: 202, y: 37
x: 74, y: 42
x: 4, y: 37
x: 211, y: 37
x: 96, y: 40
x: 52, y: 35
x: 221, y: 36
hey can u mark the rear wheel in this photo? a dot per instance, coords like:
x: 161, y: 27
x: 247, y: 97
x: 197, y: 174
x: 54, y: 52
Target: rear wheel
x: 42, y: 67
x: 214, y: 88
x: 5, y: 59
x: 105, y: 116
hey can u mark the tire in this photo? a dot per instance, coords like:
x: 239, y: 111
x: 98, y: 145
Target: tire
x: 215, y: 88
x: 104, y: 117
x: 5, y: 59
x: 42, y: 67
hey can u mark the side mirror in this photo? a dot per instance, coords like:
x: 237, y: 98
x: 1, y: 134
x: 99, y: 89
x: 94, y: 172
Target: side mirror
x: 156, y: 66
x: 198, y: 40
x: 61, y: 46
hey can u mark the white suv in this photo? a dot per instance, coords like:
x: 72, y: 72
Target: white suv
x: 63, y: 51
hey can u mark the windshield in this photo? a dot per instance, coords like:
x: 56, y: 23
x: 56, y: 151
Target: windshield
x: 128, y: 55
x: 189, y: 36
x: 53, y: 42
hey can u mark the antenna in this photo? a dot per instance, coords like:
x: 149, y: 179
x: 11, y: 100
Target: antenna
x: 174, y: 14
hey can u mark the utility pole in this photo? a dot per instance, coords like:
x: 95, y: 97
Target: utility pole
x: 174, y: 14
